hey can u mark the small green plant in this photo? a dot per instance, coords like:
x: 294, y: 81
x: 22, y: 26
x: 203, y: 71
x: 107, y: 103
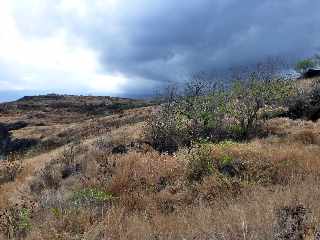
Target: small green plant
x: 200, y: 163
x: 24, y: 223
x: 226, y: 160
x: 91, y: 195
x: 226, y: 143
x: 56, y: 212
x: 15, y: 222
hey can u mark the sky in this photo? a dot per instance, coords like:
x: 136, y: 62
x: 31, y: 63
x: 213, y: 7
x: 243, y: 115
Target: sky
x: 132, y: 47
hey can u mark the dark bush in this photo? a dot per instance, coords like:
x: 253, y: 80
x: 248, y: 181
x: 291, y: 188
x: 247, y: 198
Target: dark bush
x: 306, y: 105
x: 120, y: 149
x: 167, y: 131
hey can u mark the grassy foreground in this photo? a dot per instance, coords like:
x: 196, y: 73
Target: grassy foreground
x: 109, y: 183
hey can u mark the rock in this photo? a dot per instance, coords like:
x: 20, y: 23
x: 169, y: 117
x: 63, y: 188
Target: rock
x: 21, y: 145
x: 229, y: 170
x: 70, y: 170
x: 120, y: 149
x: 8, y: 145
x: 16, y: 125
x: 5, y: 140
x: 66, y: 172
x: 312, y: 72
x: 232, y: 169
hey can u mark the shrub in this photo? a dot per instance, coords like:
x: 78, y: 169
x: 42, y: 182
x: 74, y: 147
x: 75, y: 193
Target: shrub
x: 306, y: 104
x: 91, y: 196
x: 64, y: 166
x: 200, y: 163
x: 250, y: 97
x: 216, y: 113
x: 15, y: 222
x: 9, y: 170
x: 51, y: 177
x: 166, y: 131
x: 303, y: 65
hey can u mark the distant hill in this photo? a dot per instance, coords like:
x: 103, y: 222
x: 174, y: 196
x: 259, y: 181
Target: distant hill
x: 54, y: 108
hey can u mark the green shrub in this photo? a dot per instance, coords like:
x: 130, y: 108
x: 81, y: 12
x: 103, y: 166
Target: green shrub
x: 15, y: 222
x: 91, y: 195
x: 226, y: 160
x: 249, y: 98
x: 167, y: 130
x: 226, y: 144
x: 200, y: 163
x: 303, y: 65
x: 215, y: 113
x: 24, y: 223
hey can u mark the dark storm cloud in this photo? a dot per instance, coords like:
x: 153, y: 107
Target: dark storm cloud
x: 167, y: 40
x: 160, y: 40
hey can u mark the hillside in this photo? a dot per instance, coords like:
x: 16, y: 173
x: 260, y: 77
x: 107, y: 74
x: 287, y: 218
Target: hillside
x: 108, y: 168
x: 59, y: 109
x: 49, y: 121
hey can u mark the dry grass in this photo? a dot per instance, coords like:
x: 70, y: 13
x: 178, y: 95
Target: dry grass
x: 146, y: 195
x: 9, y: 169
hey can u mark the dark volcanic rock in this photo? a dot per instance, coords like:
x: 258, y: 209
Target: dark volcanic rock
x: 312, y: 72
x: 21, y: 145
x: 120, y: 149
x: 7, y: 145
x: 16, y: 125
x: 5, y: 140
x: 70, y: 170
x: 233, y: 169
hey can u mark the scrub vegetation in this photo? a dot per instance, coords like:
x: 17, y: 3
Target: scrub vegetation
x: 211, y: 161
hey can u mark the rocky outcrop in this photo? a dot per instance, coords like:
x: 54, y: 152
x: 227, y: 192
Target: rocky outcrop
x: 15, y: 125
x: 312, y: 72
x: 7, y: 145
x: 5, y: 140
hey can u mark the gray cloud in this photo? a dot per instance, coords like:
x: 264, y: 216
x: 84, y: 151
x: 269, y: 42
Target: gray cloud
x: 166, y: 40
x: 163, y: 39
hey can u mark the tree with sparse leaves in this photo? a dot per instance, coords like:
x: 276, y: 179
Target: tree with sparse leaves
x: 303, y: 65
